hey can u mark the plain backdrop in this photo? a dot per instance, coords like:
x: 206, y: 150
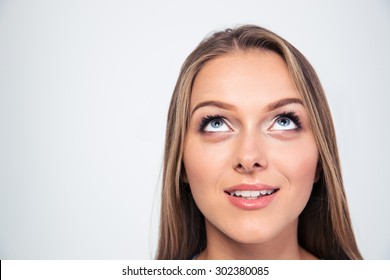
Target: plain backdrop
x: 84, y: 94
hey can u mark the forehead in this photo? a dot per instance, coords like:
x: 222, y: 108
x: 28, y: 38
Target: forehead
x: 244, y: 78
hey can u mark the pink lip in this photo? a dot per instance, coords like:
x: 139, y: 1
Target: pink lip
x: 251, y: 204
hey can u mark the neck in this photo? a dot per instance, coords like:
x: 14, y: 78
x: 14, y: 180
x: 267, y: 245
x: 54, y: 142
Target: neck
x: 281, y: 247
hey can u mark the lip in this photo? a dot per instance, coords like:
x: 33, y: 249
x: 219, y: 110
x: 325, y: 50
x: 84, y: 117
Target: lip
x: 251, y: 204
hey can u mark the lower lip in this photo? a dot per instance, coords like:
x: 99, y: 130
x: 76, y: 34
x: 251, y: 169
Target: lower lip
x: 251, y: 204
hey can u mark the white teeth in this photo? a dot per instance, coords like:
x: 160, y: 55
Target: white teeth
x: 252, y: 194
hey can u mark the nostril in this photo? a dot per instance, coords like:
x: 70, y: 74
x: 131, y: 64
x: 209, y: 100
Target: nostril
x: 250, y: 167
x: 239, y: 166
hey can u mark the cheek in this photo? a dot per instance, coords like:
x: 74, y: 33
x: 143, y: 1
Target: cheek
x: 302, y: 162
x: 204, y: 163
x: 298, y: 165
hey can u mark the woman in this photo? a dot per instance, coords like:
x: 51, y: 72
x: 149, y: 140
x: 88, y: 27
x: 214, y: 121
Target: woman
x: 251, y: 167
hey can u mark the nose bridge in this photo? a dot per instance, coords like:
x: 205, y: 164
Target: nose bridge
x: 251, y: 150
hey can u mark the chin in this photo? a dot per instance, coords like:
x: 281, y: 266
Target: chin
x: 251, y: 238
x: 248, y: 234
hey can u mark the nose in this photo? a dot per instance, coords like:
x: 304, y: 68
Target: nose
x: 250, y: 153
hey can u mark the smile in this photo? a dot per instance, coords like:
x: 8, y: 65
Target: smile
x: 251, y: 197
x: 248, y: 194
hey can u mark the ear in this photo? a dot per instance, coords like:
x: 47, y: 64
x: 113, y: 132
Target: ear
x: 318, y: 172
x: 184, y: 178
x: 183, y: 175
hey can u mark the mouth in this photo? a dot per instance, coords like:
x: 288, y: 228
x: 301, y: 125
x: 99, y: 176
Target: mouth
x: 251, y: 194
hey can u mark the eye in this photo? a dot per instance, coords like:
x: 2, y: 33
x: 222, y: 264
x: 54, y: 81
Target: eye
x: 214, y: 124
x: 286, y: 121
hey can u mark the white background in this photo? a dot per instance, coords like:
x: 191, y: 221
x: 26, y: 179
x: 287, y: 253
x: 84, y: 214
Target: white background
x: 84, y: 93
x: 113, y: 270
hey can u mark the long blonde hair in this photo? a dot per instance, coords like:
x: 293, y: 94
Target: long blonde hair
x: 324, y: 226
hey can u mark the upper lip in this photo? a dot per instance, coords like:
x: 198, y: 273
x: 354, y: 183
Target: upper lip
x: 250, y: 187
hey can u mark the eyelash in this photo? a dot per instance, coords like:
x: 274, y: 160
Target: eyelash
x: 206, y: 120
x: 290, y: 115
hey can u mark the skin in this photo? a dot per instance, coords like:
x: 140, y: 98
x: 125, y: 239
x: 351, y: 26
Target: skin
x: 249, y: 145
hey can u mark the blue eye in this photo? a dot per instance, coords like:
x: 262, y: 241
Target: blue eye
x: 286, y: 121
x: 214, y: 124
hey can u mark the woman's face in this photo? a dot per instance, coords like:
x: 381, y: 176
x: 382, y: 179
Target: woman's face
x: 250, y: 156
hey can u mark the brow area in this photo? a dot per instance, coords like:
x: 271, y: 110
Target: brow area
x: 227, y: 106
x: 283, y: 102
x: 218, y: 104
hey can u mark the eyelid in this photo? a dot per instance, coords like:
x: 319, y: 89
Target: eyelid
x: 205, y: 121
x: 292, y: 116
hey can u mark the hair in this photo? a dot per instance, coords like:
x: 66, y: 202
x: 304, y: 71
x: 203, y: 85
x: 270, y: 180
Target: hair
x: 324, y: 226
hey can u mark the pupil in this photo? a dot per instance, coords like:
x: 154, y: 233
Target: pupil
x: 216, y: 123
x: 284, y: 121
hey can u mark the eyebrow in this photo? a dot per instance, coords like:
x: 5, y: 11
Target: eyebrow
x: 218, y: 104
x: 281, y: 103
x: 227, y: 106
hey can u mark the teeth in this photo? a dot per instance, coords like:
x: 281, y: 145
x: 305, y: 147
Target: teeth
x: 252, y: 194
